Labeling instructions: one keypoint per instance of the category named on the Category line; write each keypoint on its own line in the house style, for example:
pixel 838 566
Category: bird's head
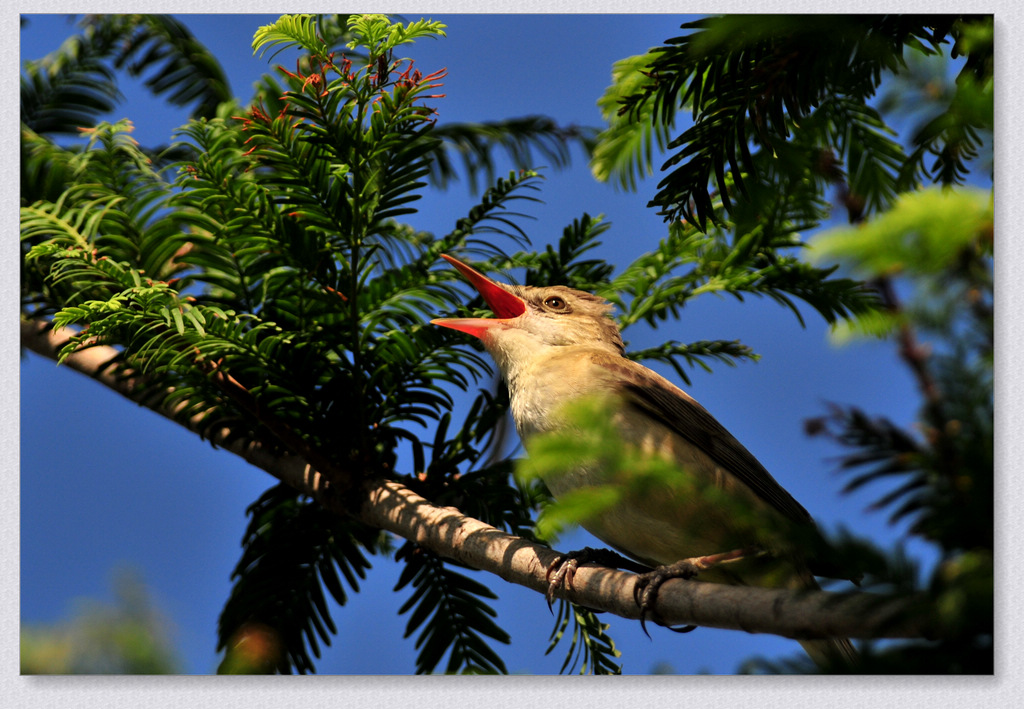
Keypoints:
pixel 533 318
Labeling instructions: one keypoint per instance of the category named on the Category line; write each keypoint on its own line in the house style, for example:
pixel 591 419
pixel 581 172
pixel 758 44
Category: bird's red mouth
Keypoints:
pixel 503 304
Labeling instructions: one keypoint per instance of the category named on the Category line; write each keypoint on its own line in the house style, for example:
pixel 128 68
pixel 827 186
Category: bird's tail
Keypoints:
pixel 832 654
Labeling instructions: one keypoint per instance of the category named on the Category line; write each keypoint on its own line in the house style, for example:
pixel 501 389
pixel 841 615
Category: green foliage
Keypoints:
pixel 454 618
pixel 290 31
pixel 293 550
pixel 565 264
pixel 67 89
pixel 941 242
pixel 491 215
pixel 939 238
pixel 780 109
pixel 179 67
pixel 115 204
pixel 624 150
pixel 269 287
pixel 789 93
pixel 751 264
pixel 954 132
pixel 128 636
pixel 517 137
pixel 380 36
pixel 590 648
pixel 695 354
pixel 923 234
pixel 940 474
pixel 375 34
pixel 70 88
pixel 591 440
pixel 271 275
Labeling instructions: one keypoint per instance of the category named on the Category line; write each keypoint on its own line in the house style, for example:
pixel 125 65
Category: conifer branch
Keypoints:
pixel 389 505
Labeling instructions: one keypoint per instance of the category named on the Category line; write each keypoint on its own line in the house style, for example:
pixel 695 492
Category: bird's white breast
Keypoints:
pixel 657 525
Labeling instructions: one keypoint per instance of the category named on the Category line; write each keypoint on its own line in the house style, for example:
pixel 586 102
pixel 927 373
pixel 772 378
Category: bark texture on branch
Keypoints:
pixel 391 506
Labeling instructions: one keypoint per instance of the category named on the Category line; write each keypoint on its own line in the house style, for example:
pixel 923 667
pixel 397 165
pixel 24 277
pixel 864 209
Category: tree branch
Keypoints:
pixel 389 505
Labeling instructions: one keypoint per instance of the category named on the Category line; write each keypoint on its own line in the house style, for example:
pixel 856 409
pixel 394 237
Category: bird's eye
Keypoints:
pixel 554 302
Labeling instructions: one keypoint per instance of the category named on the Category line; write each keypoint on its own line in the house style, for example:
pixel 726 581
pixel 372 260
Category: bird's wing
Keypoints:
pixel 655 396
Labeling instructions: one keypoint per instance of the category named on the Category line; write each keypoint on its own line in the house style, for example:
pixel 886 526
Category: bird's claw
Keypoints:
pixel 564 567
pixel 645 591
pixel 563 575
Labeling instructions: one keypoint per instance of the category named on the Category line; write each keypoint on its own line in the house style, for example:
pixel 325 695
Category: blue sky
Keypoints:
pixel 124 487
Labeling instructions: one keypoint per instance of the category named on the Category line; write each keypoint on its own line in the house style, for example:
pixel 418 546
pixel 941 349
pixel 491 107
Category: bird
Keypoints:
pixel 556 345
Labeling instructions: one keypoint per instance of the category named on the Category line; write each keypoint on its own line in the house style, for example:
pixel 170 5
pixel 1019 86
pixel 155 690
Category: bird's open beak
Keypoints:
pixel 505 305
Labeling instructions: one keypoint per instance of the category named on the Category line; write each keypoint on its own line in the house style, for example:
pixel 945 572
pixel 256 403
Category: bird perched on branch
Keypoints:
pixel 722 516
